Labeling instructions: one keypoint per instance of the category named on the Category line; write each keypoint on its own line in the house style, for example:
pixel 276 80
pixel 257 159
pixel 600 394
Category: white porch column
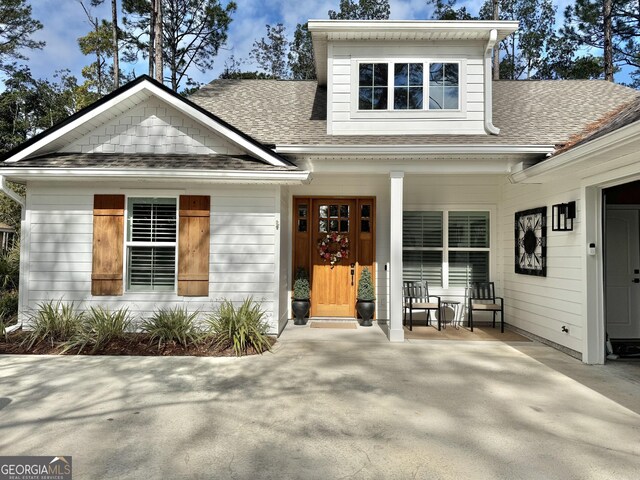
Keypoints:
pixel 396 333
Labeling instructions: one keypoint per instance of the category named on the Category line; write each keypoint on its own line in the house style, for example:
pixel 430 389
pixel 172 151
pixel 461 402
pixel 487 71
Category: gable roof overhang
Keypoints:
pixel 325 31
pixel 151 167
pixel 419 159
pixel 23 175
pixel 120 100
pixel 585 157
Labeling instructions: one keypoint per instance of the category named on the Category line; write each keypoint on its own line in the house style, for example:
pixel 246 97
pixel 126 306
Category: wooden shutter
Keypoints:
pixel 108 237
pixel 193 246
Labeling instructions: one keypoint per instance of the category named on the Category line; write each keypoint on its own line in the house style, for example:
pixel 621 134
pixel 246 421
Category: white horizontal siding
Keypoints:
pixel 543 305
pixel 242 250
pixel 343 119
pixel 152 126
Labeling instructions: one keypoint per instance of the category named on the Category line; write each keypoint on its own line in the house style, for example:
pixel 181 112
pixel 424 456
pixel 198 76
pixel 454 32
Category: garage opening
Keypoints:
pixel 622 269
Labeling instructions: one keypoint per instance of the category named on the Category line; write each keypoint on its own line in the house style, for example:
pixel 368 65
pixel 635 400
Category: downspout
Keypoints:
pixel 4 188
pixel 489 127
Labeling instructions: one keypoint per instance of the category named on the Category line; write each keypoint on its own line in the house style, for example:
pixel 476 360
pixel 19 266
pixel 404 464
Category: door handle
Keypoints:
pixel 353 272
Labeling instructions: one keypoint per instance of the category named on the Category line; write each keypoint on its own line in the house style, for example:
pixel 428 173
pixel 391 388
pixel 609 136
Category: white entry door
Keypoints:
pixel 623 273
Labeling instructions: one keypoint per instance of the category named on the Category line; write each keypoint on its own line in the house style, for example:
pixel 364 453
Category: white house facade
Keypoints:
pixel 403 145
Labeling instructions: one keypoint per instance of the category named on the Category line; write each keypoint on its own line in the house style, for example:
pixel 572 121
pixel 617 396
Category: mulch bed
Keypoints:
pixel 136 344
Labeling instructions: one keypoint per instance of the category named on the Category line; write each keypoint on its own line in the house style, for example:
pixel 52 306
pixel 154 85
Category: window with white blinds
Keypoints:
pixel 422 249
pixel 446 257
pixel 151 244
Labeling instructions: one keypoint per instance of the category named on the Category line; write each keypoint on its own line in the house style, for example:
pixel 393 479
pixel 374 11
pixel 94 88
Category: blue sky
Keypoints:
pixel 64 21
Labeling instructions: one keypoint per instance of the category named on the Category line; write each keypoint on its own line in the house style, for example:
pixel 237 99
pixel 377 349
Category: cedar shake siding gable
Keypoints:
pixel 144 116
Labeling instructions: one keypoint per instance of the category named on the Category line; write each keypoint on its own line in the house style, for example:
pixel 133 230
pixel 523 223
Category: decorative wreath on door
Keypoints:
pixel 333 248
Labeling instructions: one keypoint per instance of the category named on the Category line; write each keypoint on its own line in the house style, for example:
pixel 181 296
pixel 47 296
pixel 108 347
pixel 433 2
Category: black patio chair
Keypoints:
pixel 416 297
pixel 482 297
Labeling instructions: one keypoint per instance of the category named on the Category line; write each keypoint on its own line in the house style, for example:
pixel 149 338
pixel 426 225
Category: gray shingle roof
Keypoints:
pixel 527 112
pixel 621 117
pixel 146 161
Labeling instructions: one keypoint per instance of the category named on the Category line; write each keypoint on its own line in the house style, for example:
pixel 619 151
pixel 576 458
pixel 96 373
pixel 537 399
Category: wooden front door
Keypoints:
pixel 333 287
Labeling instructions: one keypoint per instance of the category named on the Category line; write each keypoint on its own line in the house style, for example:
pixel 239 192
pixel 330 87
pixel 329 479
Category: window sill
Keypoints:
pixel 409 114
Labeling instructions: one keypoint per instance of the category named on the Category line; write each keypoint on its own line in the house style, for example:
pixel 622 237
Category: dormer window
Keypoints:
pixel 373 86
pixel 444 87
pixel 411 88
pixel 408 86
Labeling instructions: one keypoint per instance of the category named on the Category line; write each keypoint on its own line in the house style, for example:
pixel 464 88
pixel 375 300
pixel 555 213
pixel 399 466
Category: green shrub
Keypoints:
pixel 53 321
pixel 365 286
pixel 172 325
pixel 9 307
pixel 239 328
pixel 301 289
pixel 301 286
pixel 99 327
pixel 3 330
pixel 10 269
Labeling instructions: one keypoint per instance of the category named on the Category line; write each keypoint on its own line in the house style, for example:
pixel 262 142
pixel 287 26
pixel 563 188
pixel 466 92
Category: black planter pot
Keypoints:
pixel 365 309
pixel 300 310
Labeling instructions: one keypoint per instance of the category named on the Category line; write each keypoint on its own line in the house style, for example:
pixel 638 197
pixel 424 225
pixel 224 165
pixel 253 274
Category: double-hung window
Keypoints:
pixel 408 90
pixel 373 86
pixel 446 248
pixel 444 86
pixel 151 244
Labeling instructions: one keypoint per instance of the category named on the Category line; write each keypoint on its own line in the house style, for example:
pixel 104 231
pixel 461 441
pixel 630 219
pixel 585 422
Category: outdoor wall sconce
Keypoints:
pixel 562 216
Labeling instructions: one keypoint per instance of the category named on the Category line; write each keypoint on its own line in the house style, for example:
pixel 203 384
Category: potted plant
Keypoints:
pixel 301 293
pixel 366 298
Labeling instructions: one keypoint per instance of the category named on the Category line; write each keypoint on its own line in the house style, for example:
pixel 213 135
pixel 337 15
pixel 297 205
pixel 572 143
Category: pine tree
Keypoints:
pixel 270 53
pixel 362 10
pixel 16 28
pixel 193 31
pixel 612 26
pixel 301 61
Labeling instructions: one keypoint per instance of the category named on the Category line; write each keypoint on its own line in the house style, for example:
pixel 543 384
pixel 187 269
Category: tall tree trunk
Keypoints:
pixel 98 60
pixel 513 57
pixel 496 48
pixel 158 42
pixel 116 53
pixel 152 36
pixel 608 45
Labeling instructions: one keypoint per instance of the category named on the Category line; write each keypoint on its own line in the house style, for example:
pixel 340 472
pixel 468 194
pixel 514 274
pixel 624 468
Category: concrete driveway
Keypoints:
pixel 329 404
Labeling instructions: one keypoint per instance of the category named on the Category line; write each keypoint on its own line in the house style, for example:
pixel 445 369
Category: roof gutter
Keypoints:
pixel 387 150
pixel 489 127
pixel 156 174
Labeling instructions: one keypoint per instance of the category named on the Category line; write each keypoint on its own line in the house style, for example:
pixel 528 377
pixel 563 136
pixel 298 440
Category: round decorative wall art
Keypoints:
pixel 531 242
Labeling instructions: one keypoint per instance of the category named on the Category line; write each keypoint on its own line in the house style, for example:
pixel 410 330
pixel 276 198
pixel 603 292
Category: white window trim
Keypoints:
pixel 127 244
pixel 445 289
pixel 427 86
pixel 424 113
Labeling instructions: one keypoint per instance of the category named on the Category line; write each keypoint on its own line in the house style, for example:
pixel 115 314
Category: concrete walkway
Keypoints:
pixel 329 404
